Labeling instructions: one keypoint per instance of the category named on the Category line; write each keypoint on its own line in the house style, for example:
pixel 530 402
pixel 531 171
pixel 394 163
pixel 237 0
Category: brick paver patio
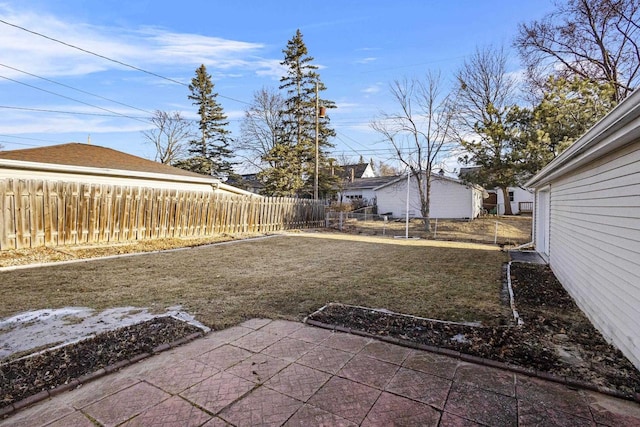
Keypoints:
pixel 275 373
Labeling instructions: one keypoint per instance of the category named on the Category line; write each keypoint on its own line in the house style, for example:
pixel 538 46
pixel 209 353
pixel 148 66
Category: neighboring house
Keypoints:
pixel 249 182
pixel 363 189
pixel 450 198
pixel 521 199
pixel 99 165
pixel 587 223
pixel 350 173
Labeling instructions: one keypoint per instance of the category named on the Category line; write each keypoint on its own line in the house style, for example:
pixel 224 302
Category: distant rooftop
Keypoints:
pixel 93 156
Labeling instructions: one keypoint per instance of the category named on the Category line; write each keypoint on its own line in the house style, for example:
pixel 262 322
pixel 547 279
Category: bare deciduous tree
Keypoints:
pixel 484 100
pixel 597 40
pixel 419 132
pixel 169 135
pixel 260 126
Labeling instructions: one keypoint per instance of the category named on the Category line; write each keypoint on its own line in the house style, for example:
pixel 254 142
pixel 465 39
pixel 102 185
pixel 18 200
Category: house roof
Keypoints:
pixel 618 128
pixel 434 176
pixel 358 170
pixel 468 170
pixel 363 183
pixel 92 156
pixel 89 159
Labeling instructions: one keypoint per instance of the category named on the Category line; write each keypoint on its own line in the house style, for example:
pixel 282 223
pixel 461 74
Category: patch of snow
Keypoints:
pixel 52 327
pixel 461 338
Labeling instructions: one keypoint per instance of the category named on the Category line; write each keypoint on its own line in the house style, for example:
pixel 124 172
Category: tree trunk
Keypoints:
pixel 507 202
pixel 426 211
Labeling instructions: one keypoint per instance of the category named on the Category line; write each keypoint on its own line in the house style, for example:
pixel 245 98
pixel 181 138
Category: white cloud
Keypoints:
pixel 370 90
pixel 142 47
pixel 366 60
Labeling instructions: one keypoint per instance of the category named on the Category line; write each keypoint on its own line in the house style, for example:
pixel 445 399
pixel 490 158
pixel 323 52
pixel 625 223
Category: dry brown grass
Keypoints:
pixel 512 230
pixel 280 277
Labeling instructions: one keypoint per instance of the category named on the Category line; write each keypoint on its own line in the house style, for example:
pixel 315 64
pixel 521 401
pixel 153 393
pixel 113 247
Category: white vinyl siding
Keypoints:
pixel 449 199
pixel 519 195
pixel 595 243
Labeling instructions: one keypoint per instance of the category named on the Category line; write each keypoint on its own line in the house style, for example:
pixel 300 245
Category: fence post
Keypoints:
pixel 340 223
pixel 435 229
pixel 495 235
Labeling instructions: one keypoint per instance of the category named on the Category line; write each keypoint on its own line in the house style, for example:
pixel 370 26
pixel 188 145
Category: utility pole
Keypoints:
pixel 315 177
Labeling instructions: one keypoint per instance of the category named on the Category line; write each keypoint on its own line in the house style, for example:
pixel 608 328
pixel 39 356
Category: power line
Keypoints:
pixel 73 99
pixel 27 138
pixel 76 89
pixel 19 143
pixel 124 64
pixel 43 110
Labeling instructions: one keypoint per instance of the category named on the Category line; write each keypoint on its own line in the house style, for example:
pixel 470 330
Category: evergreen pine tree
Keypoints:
pixel 295 148
pixel 209 152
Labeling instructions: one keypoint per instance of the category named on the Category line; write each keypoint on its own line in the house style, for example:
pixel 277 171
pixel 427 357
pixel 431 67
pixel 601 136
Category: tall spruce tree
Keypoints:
pixel 294 152
pixel 209 151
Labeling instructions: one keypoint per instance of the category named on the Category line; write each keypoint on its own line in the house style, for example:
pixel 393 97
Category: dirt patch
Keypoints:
pixel 556 336
pixel 44 371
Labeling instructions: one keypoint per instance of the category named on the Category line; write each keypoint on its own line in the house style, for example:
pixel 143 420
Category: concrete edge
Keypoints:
pixel 566 381
pixel 84 379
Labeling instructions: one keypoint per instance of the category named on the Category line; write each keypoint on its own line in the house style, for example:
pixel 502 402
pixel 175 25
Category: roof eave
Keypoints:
pixel 77 170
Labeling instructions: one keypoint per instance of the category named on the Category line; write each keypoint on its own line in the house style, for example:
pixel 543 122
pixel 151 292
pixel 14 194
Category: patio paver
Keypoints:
pixel 487 378
pixel 256 341
pixel 369 371
pixel 398 411
pixel 264 407
pixel 119 407
pixel 217 391
pixel 224 357
pixel 419 386
pixel 534 394
pixel 258 368
pixel 482 406
pixel 180 376
pixel 76 419
pixel 298 381
pixel 309 415
pixel 386 352
pixel 430 363
pixel 345 398
pixel 326 359
pixel 289 349
pixel 295 375
pixel 172 412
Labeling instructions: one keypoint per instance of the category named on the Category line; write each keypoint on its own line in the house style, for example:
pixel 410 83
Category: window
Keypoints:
pixel 511 196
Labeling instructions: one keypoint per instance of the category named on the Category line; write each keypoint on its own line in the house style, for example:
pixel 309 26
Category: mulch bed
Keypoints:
pixel 27 376
pixel 556 337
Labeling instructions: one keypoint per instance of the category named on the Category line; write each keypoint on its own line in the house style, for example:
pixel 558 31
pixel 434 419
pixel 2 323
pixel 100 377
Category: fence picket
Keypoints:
pixel 55 213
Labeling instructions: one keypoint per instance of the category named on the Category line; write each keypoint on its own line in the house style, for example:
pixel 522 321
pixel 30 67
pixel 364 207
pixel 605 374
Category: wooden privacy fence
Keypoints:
pixel 54 213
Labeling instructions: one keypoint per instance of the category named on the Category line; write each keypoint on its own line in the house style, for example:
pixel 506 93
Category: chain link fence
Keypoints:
pixel 501 230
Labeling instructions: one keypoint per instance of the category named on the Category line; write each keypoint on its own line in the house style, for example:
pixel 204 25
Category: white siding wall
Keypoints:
pixel 102 179
pixel 595 244
pixel 448 199
pixel 366 193
pixel 519 195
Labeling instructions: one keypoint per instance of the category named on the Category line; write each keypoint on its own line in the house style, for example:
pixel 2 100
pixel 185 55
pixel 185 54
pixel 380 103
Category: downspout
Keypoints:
pixel 512 301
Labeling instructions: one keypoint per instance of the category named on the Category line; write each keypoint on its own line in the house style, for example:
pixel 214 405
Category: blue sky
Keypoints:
pixel 360 46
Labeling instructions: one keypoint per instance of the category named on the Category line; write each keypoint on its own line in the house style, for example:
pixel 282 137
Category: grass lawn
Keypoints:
pixel 280 277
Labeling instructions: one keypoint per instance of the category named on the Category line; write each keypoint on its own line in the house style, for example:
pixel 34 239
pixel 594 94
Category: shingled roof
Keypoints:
pixel 355 170
pixel 92 156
